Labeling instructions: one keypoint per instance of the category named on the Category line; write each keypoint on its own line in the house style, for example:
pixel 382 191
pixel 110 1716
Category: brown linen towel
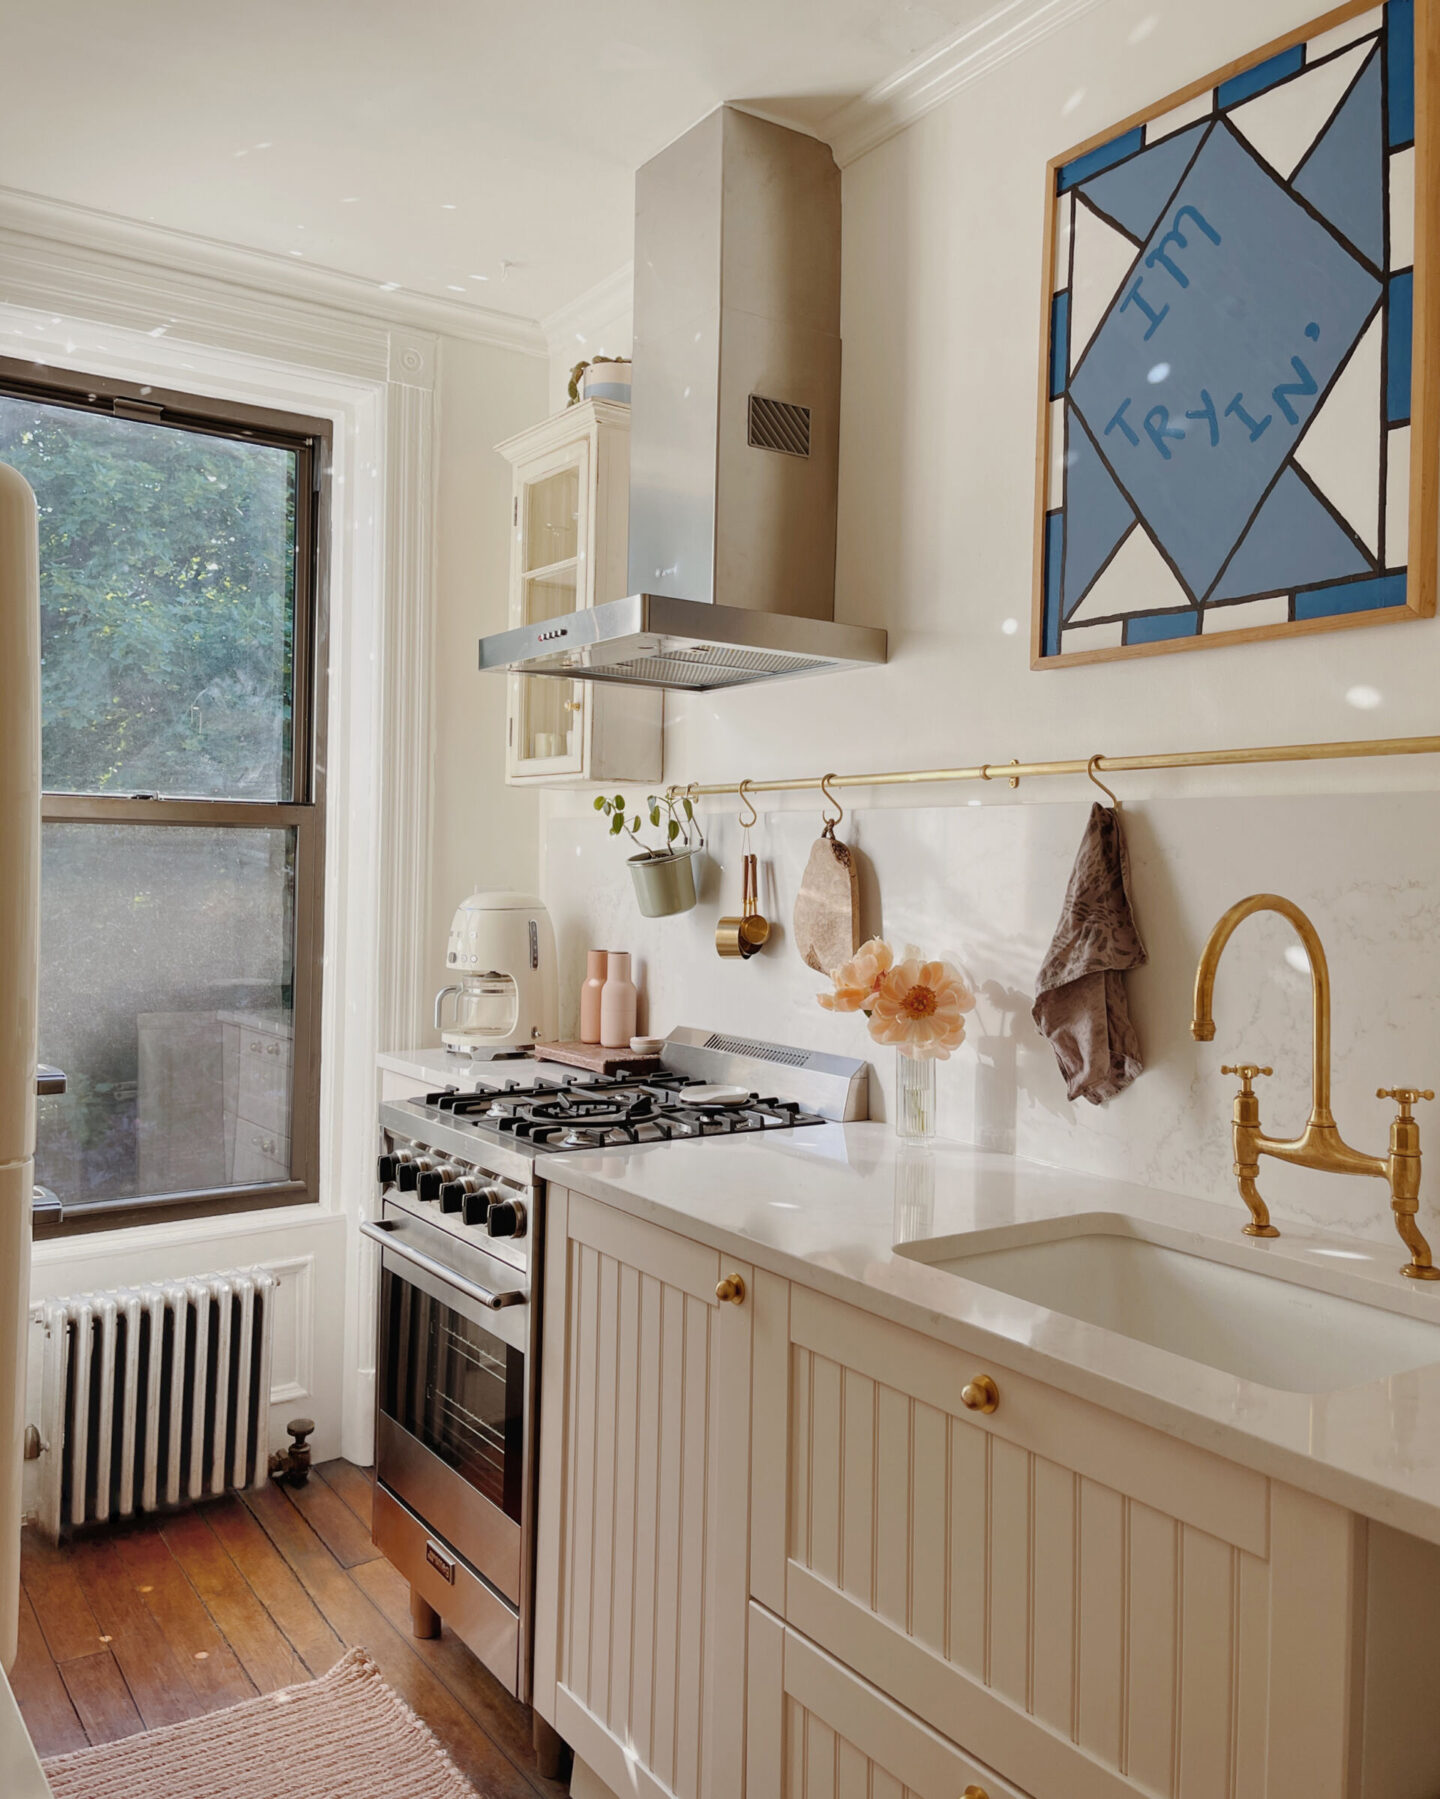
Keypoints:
pixel 1080 1001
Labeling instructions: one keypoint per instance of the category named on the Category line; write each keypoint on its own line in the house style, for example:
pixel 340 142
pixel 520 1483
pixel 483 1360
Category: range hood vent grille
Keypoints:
pixel 703 669
pixel 777 425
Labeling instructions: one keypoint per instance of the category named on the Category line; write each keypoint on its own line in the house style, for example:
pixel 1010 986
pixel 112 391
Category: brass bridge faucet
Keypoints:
pixel 1320 1144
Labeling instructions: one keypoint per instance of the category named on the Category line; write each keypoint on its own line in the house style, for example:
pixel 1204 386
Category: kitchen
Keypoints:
pixel 1114 1463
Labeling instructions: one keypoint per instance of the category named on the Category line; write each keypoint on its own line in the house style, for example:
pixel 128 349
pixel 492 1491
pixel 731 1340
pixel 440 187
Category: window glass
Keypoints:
pixel 167 591
pixel 167 996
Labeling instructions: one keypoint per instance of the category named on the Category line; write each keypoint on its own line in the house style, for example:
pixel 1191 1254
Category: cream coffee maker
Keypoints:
pixel 501 956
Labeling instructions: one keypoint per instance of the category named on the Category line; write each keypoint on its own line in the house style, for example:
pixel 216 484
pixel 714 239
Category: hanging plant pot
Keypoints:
pixel 663 884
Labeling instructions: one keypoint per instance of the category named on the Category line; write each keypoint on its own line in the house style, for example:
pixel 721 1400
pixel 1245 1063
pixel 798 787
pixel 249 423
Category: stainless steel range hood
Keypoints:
pixel 734 428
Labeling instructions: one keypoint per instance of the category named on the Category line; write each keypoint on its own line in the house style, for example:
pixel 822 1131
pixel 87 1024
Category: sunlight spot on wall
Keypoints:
pixel 1296 957
pixel 1362 697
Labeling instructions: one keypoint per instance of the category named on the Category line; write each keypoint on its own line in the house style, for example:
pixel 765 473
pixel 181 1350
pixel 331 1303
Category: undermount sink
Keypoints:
pixel 1267 1326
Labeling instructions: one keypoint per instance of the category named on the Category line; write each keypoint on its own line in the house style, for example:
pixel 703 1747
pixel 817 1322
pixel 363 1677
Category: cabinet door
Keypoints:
pixel 816 1732
pixel 644 1486
pixel 550 576
pixel 1095 1608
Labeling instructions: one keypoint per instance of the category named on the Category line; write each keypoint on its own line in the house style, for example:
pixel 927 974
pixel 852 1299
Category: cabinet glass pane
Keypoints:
pixel 549 709
pixel 550 714
pixel 552 518
pixel 166 995
pixel 548 596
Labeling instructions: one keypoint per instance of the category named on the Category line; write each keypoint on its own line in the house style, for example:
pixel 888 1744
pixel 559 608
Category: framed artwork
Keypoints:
pixel 1238 406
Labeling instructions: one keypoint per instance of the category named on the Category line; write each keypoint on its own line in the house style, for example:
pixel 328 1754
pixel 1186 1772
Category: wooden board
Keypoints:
pixel 598 1059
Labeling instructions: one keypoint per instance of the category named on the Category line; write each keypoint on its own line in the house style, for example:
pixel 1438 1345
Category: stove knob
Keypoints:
pixel 385 1169
pixel 506 1218
pixel 430 1183
pixel 408 1175
pixel 476 1205
pixel 452 1195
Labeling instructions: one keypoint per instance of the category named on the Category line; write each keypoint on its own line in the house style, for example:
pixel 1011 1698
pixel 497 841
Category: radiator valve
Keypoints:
pixel 292 1466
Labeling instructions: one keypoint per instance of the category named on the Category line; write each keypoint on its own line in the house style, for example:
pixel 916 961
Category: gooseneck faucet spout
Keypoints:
pixel 1320 1144
pixel 1202 1025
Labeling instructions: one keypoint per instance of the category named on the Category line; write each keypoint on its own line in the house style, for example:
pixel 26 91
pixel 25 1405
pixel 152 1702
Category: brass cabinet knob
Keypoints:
pixel 980 1394
pixel 732 1288
pixel 974 1792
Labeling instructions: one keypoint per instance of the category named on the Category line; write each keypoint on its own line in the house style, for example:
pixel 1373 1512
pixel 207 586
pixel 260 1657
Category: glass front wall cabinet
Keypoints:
pixel 569 517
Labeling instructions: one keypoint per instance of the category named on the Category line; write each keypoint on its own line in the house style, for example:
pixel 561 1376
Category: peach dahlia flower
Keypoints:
pixel 917 1008
pixel 857 981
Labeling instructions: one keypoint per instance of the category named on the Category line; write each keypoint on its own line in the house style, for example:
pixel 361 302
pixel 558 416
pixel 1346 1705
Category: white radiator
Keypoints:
pixel 154 1396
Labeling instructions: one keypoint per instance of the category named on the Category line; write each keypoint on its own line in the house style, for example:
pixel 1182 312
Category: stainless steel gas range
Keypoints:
pixel 461 1229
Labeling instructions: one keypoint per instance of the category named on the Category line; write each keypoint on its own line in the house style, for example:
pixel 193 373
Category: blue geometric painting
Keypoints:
pixel 1229 407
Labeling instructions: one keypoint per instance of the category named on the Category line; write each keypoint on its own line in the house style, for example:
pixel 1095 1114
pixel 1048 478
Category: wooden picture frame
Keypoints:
pixel 1243 524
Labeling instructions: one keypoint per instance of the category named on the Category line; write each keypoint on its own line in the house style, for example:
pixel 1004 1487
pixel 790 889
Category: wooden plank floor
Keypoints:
pixel 174 1617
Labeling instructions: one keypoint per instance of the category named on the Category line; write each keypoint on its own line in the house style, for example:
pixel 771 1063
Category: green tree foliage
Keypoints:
pixel 166 585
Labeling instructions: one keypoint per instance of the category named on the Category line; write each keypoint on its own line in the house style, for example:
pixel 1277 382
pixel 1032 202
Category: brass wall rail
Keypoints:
pixel 1015 771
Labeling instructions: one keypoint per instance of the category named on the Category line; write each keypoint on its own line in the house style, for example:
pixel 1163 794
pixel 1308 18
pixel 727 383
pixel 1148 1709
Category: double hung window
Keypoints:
pixel 183 648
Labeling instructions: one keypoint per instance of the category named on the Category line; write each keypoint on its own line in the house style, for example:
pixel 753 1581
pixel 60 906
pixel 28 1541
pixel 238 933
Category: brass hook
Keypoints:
pixel 830 823
pixel 746 800
pixel 1014 762
pixel 1090 770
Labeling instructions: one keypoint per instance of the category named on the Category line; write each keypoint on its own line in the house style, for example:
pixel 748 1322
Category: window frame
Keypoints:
pixel 304 810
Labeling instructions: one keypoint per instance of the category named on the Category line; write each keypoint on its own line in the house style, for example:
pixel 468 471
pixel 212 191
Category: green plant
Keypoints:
pixel 669 813
pixel 573 390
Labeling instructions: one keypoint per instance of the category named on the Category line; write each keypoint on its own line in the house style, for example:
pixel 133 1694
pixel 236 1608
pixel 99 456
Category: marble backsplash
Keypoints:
pixel 982 885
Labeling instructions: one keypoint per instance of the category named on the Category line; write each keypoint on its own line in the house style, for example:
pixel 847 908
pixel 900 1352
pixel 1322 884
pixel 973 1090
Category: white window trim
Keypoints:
pixel 69 305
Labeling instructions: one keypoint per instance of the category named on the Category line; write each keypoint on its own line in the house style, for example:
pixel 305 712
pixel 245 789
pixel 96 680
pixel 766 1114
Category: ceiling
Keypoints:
pixel 479 153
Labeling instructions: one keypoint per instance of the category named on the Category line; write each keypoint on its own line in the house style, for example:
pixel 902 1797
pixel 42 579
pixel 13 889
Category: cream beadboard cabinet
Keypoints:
pixel 780 1554
pixel 570 532
pixel 644 1502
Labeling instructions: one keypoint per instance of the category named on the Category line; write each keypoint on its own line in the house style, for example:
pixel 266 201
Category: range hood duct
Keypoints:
pixel 734 428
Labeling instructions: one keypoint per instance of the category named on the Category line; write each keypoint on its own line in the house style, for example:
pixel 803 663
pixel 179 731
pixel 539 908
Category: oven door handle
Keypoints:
pixel 384 1233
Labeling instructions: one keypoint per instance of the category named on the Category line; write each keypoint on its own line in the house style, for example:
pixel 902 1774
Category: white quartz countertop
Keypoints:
pixel 826 1206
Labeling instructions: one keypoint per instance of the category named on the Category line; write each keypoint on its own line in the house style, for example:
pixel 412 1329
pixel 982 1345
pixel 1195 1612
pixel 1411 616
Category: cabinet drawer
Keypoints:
pixel 260 1156
pixel 264 1081
pixel 1084 1602
pixel 814 1729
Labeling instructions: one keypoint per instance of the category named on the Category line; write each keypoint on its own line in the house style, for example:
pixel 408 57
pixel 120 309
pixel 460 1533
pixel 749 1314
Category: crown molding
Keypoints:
pixel 34 216
pixel 589 311
pixel 942 71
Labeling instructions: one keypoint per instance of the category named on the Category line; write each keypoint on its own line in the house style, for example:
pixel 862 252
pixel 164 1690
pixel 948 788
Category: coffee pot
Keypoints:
pixel 503 994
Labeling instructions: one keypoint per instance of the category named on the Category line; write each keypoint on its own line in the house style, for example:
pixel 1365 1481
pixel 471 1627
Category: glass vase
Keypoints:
pixel 914 1098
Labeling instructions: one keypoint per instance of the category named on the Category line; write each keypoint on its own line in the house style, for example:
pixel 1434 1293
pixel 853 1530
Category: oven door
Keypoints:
pixel 453 1397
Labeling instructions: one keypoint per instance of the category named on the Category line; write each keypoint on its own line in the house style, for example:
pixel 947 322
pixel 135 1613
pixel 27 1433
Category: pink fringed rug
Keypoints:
pixel 344 1736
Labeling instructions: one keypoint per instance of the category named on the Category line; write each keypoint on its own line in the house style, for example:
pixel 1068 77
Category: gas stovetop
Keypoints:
pixel 603 1111
pixel 518 1111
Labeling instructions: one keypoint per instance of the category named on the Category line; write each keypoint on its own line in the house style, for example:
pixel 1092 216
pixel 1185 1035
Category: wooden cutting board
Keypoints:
pixel 597 1058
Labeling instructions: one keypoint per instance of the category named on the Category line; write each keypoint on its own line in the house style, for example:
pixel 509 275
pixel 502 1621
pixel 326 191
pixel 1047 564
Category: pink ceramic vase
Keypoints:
pixel 590 996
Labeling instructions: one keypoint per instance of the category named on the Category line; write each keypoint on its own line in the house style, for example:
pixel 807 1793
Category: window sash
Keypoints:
pixel 304 812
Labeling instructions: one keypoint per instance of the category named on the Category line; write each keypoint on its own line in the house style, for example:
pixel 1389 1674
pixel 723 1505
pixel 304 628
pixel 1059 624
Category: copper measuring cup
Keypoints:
pixel 742 936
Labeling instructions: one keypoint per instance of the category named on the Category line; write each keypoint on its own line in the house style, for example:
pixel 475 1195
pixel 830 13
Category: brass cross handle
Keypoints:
pixel 1247 1071
pixel 1404 1097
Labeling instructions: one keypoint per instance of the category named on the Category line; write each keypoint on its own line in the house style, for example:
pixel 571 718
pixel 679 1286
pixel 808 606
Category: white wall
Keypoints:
pixel 942 310
pixel 485 833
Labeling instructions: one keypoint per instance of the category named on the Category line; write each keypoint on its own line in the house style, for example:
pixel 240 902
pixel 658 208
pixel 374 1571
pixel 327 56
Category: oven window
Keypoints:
pixel 456 1389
